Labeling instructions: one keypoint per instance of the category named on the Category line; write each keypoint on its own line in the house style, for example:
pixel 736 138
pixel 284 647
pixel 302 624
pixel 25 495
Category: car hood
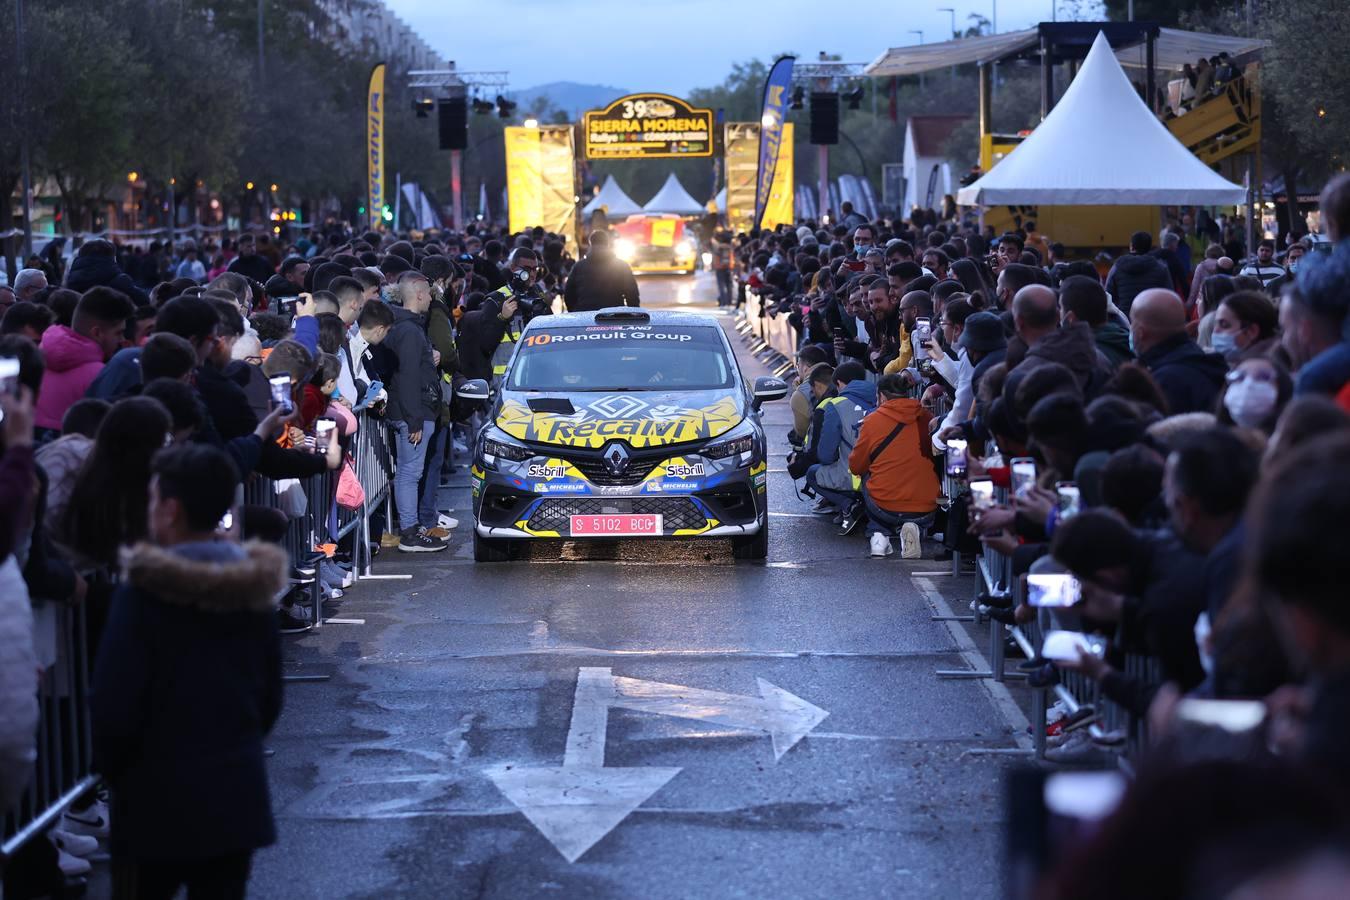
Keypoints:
pixel 640 418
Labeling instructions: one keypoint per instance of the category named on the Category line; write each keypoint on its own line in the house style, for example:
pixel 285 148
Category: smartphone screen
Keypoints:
pixel 323 434
pixel 982 494
pixel 1023 475
pixel 956 458
pixel 1070 645
pixel 280 386
pixel 9 378
pixel 1069 499
pixel 1053 589
pixel 1230 715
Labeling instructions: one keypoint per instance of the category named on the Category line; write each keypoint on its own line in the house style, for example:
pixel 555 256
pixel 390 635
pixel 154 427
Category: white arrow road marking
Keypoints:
pixel 785 717
pixel 576 804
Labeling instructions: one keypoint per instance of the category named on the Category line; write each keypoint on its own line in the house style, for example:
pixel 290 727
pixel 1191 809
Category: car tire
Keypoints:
pixel 756 546
pixel 491 549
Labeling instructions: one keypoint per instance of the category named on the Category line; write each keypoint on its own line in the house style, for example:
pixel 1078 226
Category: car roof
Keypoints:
pixel 656 317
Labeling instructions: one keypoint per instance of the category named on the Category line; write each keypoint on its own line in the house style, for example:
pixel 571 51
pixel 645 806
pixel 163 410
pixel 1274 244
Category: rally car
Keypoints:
pixel 621 423
pixel 652 243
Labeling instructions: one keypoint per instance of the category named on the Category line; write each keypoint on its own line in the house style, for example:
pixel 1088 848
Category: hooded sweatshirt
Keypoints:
pixel 839 432
pixel 901 477
pixel 73 362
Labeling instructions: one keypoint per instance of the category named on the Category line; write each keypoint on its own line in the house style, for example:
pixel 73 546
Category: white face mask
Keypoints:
pixel 1250 402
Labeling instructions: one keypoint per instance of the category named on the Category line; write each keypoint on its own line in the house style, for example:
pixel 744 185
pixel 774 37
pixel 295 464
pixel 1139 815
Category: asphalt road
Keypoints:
pixel 470 693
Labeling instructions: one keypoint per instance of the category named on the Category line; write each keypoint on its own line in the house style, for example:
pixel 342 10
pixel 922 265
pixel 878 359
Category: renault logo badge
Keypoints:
pixel 616 458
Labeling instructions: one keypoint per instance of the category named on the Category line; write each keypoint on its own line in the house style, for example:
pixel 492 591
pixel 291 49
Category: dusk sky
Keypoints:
pixel 673 47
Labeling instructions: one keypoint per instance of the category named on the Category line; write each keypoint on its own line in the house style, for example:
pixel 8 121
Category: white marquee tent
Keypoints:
pixel 1101 145
pixel 616 203
pixel 673 198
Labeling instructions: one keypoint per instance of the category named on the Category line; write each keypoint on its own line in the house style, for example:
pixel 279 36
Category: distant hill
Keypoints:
pixel 569 96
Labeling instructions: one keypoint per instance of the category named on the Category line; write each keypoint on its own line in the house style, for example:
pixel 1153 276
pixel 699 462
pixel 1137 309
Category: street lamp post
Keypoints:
pixel 21 57
pixel 993 26
pixel 951 12
pixel 920 34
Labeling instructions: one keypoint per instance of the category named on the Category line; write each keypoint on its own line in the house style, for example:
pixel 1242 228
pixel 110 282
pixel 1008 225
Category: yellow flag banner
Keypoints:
pixel 540 178
pixel 375 146
pixel 781 208
pixel 742 163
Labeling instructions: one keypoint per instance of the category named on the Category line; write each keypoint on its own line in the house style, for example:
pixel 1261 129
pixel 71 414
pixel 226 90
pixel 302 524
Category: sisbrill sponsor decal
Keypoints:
pixel 684 470
pixel 546 471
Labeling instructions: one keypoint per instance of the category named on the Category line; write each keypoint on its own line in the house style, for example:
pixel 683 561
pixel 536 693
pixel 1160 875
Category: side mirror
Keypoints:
pixel 769 388
pixel 475 389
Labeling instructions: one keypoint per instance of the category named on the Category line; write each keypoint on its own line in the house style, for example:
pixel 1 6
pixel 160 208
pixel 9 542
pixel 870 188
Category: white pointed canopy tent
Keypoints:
pixel 615 201
pixel 673 198
pixel 1101 146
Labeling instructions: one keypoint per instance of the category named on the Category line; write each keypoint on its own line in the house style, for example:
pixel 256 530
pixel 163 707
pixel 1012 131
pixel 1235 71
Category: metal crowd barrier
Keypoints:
pixel 64 766
pixel 62 771
pixel 1074 690
pixel 768 334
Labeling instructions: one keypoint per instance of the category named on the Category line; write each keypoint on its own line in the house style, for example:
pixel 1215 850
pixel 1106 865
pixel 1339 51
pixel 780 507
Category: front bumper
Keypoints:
pixel 694 497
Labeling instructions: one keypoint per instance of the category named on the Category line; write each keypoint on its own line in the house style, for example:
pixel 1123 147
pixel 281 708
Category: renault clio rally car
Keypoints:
pixel 621 423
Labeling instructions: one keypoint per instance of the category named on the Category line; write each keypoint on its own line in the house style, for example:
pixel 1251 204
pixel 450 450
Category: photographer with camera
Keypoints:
pixel 506 311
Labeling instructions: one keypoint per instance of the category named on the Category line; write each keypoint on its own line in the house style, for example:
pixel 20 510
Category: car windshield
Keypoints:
pixel 622 357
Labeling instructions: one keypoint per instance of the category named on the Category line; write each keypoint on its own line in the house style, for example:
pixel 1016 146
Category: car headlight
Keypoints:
pixel 684 248
pixel 624 249
pixel 504 450
pixel 733 447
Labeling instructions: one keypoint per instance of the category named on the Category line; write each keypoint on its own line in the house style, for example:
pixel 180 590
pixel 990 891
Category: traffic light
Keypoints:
pixel 361 210
pixel 388 213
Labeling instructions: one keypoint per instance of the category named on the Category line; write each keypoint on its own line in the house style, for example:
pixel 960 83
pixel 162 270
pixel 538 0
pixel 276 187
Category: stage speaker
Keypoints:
pixel 452 120
pixel 824 117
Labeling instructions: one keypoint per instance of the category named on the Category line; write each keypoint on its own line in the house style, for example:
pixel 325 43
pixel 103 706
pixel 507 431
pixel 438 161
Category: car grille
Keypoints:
pixel 597 472
pixel 677 513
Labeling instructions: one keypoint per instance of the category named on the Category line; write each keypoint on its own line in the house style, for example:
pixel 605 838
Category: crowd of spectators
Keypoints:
pixel 148 387
pixel 1183 422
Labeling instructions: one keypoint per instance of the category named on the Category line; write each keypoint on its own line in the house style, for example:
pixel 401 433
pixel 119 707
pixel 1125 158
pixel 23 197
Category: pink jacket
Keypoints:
pixel 73 362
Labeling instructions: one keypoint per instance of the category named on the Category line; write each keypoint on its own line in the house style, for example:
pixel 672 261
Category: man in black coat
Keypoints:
pixel 186 687
pixel 1190 378
pixel 600 280
pixel 250 263
pixel 96 265
pixel 1136 272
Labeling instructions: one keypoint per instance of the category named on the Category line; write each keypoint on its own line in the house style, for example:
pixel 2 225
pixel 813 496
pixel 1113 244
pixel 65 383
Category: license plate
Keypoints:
pixel 617 525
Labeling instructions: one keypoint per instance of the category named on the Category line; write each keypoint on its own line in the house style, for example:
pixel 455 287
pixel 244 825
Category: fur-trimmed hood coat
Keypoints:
pixel 186 686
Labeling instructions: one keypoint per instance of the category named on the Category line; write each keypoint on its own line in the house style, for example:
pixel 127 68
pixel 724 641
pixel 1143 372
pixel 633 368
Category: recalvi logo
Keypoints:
pixel 667 429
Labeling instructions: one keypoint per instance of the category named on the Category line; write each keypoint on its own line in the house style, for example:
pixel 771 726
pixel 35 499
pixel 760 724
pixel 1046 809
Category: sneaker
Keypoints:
pixel 389 539
pixel 335 575
pixel 909 541
pixel 294 619
pixel 1077 749
pixel 824 507
pixel 329 592
pixel 75 844
pixel 448 523
pixel 71 866
pixel 439 533
pixel 416 540
pixel 459 446
pixel 881 546
pixel 852 518
pixel 91 821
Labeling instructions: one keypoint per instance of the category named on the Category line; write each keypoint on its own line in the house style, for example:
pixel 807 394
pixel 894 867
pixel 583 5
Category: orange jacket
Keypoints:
pixel 901 478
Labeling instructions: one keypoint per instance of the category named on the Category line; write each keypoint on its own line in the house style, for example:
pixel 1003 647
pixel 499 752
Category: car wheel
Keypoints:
pixel 491 549
pixel 756 546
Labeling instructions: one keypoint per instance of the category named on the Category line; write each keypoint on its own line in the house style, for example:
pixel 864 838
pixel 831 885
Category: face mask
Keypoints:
pixel 1293 267
pixel 862 249
pixel 1133 352
pixel 1223 343
pixel 1250 402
